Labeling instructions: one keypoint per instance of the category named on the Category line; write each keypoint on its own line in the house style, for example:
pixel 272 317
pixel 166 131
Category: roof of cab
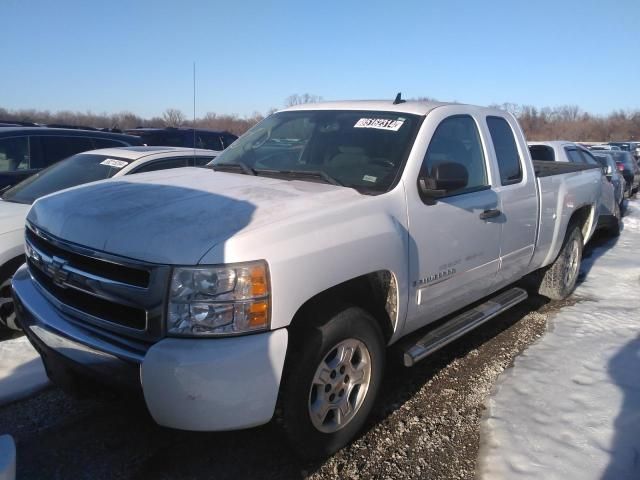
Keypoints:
pixel 412 107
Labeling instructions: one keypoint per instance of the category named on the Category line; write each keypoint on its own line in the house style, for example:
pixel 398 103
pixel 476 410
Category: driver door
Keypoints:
pixel 455 254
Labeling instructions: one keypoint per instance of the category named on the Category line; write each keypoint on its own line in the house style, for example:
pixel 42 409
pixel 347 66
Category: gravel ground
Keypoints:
pixel 425 424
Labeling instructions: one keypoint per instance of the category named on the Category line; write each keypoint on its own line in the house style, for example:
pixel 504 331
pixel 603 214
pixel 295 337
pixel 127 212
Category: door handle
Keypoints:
pixel 490 214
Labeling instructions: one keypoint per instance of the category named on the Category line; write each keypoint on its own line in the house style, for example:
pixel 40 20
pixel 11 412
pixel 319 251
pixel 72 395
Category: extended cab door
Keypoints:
pixel 515 184
pixel 455 243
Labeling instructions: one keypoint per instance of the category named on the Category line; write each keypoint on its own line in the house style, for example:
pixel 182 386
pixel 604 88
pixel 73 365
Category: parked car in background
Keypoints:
pixel 609 209
pixel 185 137
pixel 629 146
pixel 613 175
pixel 630 170
pixel 280 275
pixel 27 150
pixel 78 169
pixel 604 147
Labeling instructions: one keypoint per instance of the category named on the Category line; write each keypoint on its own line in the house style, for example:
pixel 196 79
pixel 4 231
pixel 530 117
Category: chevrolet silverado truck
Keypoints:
pixel 275 280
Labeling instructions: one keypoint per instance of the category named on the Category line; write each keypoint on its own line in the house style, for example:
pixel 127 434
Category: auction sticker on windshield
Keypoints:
pixel 380 123
pixel 111 162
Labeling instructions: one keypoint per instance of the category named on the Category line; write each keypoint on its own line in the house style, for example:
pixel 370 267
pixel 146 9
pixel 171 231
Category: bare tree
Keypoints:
pixel 173 117
pixel 297 99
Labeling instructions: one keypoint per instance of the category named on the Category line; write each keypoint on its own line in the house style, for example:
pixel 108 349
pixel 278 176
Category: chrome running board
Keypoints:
pixel 461 324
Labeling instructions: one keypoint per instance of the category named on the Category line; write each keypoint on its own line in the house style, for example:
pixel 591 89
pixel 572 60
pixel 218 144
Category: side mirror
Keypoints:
pixel 444 178
pixel 608 171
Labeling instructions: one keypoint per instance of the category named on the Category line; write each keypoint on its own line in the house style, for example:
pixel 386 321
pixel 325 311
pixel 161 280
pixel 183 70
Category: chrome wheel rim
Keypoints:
pixel 571 270
pixel 7 310
pixel 340 385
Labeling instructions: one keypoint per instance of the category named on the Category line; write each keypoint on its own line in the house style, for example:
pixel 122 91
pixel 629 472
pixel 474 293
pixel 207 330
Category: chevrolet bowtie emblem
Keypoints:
pixel 56 270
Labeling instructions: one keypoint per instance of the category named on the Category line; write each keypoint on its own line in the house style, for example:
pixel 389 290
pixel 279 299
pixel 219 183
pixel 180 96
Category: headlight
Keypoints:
pixel 221 300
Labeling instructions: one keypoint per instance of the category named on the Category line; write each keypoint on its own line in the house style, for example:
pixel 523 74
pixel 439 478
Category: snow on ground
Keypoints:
pixel 570 406
pixel 21 370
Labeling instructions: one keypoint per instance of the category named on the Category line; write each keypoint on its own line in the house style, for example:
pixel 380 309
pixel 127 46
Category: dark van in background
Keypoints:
pixel 184 137
pixel 27 150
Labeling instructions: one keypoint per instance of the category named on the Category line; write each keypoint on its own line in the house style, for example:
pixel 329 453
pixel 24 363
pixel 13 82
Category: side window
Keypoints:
pixel 107 143
pixel 574 156
pixel 14 154
pixel 542 153
pixel 506 149
pixel 56 148
pixel 162 165
pixel 208 141
pixel 588 158
pixel 456 140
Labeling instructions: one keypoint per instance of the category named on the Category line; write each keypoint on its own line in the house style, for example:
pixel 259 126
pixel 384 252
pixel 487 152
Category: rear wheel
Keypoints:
pixel 332 381
pixel 559 279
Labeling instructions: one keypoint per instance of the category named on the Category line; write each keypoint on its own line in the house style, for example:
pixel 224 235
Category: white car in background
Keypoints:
pixel 76 170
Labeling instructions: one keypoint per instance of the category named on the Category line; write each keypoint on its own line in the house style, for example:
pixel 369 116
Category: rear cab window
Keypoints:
pixel 504 143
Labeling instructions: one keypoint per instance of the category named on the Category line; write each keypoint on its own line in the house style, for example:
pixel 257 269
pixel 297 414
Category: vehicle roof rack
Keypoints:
pixel 73 127
pixel 21 123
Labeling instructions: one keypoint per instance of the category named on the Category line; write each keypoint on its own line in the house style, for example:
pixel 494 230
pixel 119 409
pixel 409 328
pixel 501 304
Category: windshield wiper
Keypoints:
pixel 237 165
pixel 319 174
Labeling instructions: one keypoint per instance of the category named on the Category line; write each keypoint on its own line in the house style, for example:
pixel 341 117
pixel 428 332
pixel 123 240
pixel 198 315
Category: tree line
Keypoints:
pixel 567 122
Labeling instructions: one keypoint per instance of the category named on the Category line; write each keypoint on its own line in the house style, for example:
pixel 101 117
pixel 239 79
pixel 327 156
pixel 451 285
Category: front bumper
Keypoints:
pixel 189 384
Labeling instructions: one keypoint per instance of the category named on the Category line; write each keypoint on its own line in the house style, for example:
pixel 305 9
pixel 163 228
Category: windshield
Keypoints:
pixel 361 149
pixel 75 170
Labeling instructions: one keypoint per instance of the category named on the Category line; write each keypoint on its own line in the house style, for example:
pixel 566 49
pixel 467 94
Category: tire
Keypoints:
pixel 7 311
pixel 616 225
pixel 317 381
pixel 559 279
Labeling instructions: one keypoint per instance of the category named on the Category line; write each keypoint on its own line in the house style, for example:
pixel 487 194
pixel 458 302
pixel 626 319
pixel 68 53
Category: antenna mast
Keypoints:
pixel 194 109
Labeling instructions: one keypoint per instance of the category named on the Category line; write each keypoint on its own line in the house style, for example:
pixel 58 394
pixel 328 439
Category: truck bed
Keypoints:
pixel 547 169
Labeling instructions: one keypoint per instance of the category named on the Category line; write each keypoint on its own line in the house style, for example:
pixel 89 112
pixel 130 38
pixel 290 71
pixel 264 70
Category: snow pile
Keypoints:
pixel 21 370
pixel 570 406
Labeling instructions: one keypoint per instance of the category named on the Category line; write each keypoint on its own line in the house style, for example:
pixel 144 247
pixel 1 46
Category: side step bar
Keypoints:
pixel 461 324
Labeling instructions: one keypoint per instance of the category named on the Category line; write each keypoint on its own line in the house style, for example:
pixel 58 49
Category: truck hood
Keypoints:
pixel 12 216
pixel 176 216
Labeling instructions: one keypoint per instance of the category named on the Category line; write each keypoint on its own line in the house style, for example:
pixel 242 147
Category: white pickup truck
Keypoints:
pixel 325 234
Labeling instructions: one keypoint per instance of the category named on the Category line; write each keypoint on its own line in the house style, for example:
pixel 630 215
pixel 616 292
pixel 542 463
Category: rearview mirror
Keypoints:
pixel 444 178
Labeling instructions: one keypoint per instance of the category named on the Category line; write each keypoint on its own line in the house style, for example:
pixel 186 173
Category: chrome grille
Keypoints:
pixel 96 288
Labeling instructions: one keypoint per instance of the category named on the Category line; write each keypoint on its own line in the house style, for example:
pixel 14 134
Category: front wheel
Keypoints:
pixel 333 379
pixel 559 279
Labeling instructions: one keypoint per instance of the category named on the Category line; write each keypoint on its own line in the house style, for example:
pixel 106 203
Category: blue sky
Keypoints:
pixel 110 56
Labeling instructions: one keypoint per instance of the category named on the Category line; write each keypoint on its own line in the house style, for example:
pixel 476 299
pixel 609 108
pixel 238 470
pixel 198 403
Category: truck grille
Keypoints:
pixel 96 288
